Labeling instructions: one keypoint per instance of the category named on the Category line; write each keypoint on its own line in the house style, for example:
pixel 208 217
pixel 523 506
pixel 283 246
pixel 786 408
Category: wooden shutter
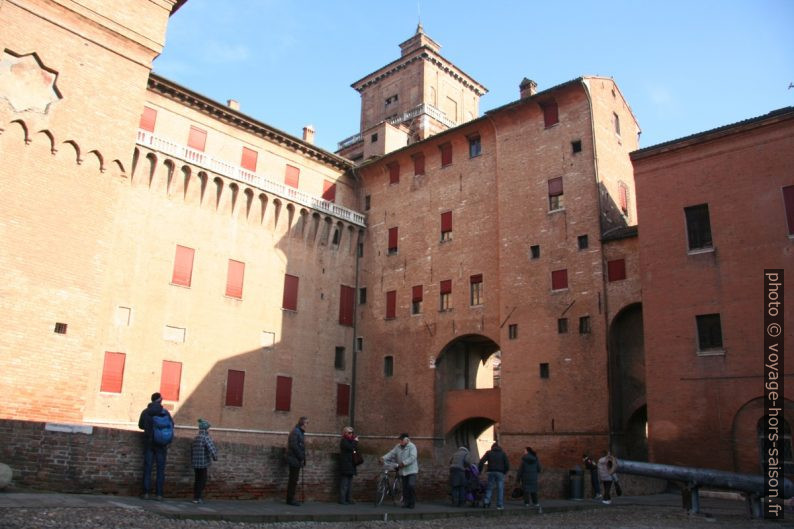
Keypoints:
pixel 148 119
pixel 234 279
pixel 329 191
pixel 446 286
pixel 393 238
pixel 346 297
pixel 283 393
pixel 197 139
pixel 249 159
pixel 616 270
pixel 419 163
pixel 394 172
pixel 416 294
pixel 292 176
pixel 623 198
pixel 235 381
pixel 290 300
pixel 555 187
pixel 183 266
pixel 342 399
pixel 559 279
pixel 391 304
pixel 476 278
pixel 446 154
pixel 788 200
pixel 446 221
pixel 170 380
pixel 113 372
pixel 550 113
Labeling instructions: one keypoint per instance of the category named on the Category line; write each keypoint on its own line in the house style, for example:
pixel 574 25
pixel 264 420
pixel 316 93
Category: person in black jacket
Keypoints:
pixel 347 469
pixel 296 458
pixel 152 451
pixel 527 476
pixel 498 466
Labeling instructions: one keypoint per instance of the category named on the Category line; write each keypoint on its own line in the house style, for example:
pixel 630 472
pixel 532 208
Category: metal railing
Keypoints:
pixel 201 159
pixel 424 108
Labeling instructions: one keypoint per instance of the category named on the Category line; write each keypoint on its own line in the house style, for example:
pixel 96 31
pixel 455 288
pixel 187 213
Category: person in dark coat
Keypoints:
pixel 296 458
pixel 528 477
pixel 498 466
pixel 460 461
pixel 153 452
pixel 595 483
pixel 347 445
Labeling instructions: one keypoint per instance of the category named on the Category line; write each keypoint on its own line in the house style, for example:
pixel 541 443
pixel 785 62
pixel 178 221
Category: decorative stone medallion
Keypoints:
pixel 27 84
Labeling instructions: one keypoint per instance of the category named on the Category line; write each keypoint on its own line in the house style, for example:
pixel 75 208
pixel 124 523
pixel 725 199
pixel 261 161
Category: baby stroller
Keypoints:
pixel 475 489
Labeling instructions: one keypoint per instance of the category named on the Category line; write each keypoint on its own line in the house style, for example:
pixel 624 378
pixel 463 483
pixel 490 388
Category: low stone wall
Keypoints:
pixel 85 459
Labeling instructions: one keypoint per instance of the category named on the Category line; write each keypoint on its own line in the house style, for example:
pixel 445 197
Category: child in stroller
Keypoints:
pixel 475 489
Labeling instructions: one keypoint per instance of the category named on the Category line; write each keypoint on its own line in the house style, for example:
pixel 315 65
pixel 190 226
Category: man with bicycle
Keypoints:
pixel 407 467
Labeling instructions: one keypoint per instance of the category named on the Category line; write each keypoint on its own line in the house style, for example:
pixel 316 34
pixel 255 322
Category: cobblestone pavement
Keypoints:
pixel 616 517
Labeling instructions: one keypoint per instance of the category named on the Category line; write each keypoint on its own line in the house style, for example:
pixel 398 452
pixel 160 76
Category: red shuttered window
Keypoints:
pixel 183 266
pixel 170 380
pixel 290 300
pixel 148 119
pixel 346 297
pixel 342 400
pixel 249 159
pixel 235 381
pixel 550 113
pixel 623 198
pixel 393 238
pixel 197 139
pixel 394 172
pixel 419 163
pixel 559 279
pixel 329 191
pixel 616 269
pixel 391 304
pixel 446 154
pixel 416 299
pixel 283 393
pixel 234 279
pixel 113 372
pixel 292 176
pixel 446 226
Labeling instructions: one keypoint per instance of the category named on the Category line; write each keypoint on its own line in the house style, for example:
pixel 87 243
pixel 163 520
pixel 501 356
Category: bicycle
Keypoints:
pixel 388 485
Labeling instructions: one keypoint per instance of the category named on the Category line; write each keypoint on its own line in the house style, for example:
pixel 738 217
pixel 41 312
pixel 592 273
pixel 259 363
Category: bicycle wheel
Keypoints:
pixel 380 491
pixel 396 492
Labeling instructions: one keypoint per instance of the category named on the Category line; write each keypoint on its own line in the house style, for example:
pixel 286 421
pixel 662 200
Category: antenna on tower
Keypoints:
pixel 419 16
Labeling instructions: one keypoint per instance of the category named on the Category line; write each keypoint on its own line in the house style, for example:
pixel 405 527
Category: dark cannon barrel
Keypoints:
pixel 755 484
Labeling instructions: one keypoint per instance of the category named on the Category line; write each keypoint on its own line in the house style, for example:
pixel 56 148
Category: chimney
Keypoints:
pixel 233 104
pixel 308 134
pixel 528 88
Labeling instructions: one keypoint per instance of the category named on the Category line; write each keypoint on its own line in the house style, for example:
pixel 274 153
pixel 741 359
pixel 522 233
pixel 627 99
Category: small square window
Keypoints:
pixel 544 370
pixel 709 332
pixel 583 242
pixel 576 146
pixel 374 138
pixel 562 325
pixel 339 358
pixel 512 331
pixel 559 279
pixel 534 251
pixel 388 366
pixel 60 328
pixel 584 325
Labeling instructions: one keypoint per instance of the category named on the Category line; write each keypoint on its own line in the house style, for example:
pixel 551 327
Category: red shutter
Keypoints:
pixel 446 221
pixel 113 372
pixel 623 197
pixel 416 294
pixel 419 163
pixel 235 381
pixel 559 279
pixel 394 172
pixel 234 279
pixel 446 286
pixel 476 278
pixel 290 300
pixel 183 266
pixel 550 113
pixel 346 297
pixel 329 191
pixel 342 399
pixel 283 393
pixel 249 159
pixel 446 154
pixel 393 238
pixel 292 176
pixel 555 187
pixel 170 380
pixel 148 119
pixel 197 139
pixel 616 270
pixel 391 304
pixel 788 200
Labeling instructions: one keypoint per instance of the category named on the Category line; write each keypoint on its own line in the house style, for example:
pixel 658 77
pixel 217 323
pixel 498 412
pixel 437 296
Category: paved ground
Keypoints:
pixel 20 510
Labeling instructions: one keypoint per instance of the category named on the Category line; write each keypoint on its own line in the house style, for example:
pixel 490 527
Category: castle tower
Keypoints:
pixel 410 99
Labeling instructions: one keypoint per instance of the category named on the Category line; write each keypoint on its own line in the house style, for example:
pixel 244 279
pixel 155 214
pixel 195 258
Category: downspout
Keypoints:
pixel 610 377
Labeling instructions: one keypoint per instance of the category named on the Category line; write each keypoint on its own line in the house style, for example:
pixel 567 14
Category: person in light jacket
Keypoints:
pixel 405 454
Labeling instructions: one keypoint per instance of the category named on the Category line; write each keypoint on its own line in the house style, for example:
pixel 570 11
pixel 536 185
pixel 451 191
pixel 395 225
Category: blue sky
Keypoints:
pixel 684 66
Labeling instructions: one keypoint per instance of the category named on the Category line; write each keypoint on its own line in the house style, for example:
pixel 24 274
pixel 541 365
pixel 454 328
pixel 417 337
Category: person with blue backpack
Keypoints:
pixel 158 432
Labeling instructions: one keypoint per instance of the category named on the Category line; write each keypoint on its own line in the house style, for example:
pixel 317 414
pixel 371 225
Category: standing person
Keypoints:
pixel 461 460
pixel 591 465
pixel 347 469
pixel 498 466
pixel 528 477
pixel 158 431
pixel 605 468
pixel 202 453
pixel 407 467
pixel 296 458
